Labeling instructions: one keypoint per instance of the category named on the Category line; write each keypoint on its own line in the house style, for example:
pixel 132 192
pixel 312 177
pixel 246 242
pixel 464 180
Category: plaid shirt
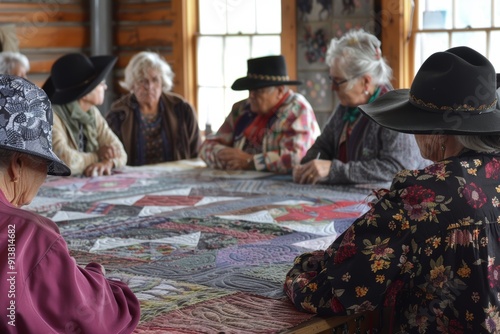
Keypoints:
pixel 286 140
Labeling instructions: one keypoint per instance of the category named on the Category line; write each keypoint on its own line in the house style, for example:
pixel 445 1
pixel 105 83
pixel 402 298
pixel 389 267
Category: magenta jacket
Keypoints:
pixel 43 290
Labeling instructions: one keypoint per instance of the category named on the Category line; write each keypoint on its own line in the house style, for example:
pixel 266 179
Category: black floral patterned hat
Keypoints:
pixel 26 122
pixel 453 92
pixel 264 72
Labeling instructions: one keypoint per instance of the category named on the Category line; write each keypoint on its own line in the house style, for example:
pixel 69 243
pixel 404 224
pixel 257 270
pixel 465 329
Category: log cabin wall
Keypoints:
pixel 47 30
pixel 162 26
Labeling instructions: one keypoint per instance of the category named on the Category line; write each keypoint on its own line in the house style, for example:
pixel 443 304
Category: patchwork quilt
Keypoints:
pixel 205 251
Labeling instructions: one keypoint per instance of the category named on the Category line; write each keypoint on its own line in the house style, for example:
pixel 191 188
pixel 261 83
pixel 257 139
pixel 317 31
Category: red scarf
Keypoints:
pixel 256 130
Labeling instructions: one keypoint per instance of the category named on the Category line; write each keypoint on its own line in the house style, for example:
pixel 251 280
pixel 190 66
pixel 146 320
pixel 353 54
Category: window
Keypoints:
pixel 448 23
pixel 231 31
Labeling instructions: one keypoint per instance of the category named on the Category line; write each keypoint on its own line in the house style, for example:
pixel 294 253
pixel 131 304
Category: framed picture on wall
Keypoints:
pixel 312 43
pixel 316 87
pixel 314 10
pixel 352 8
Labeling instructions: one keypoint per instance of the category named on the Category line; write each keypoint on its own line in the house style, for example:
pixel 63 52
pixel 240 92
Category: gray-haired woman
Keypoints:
pixel 351 148
pixel 154 124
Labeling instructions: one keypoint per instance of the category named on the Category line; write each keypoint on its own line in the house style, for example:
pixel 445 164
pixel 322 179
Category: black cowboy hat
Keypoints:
pixel 453 92
pixel 264 72
pixel 75 75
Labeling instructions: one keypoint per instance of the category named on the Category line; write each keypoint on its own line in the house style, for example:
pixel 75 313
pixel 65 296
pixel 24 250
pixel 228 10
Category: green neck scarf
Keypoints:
pixel 73 117
pixel 353 112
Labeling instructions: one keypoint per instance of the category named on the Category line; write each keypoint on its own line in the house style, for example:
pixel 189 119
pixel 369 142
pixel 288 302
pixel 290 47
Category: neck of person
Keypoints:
pixel 281 98
pixel 7 188
pixel 452 147
pixel 84 105
pixel 149 109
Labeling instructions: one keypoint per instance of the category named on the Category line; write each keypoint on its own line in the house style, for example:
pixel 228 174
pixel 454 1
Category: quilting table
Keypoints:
pixel 205 251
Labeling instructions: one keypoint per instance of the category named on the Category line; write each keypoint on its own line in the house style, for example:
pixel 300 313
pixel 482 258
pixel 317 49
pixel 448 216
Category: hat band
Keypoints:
pixel 268 77
pixel 429 106
pixel 86 82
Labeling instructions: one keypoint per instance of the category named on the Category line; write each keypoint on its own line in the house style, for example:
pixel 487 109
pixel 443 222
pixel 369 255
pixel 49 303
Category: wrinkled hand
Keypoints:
pixel 107 152
pixel 312 172
pixel 99 168
pixel 235 159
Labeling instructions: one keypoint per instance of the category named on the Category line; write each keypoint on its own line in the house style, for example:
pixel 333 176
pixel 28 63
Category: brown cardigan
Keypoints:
pixel 179 120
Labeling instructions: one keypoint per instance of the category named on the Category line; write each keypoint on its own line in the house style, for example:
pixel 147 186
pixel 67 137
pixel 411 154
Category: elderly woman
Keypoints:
pixel 351 148
pixel 269 131
pixel 428 248
pixel 43 289
pixel 14 63
pixel 82 138
pixel 154 124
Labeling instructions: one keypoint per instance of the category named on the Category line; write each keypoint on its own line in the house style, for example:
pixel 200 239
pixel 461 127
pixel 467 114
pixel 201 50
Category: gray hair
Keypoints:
pixel 359 53
pixel 141 63
pixel 8 60
pixel 480 143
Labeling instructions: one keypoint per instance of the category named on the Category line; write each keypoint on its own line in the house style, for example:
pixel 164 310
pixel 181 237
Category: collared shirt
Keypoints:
pixel 293 130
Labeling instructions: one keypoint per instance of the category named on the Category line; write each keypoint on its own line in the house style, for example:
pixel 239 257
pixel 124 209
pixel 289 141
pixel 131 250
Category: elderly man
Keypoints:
pixel 271 130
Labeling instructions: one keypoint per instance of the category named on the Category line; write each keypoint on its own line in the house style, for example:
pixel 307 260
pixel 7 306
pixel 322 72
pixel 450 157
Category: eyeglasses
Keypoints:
pixel 338 83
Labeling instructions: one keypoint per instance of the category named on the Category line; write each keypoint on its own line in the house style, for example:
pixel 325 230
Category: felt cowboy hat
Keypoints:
pixel 264 72
pixel 75 75
pixel 26 122
pixel 453 92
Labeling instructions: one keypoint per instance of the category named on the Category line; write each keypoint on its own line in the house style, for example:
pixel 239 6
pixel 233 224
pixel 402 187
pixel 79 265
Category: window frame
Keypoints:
pixel 288 46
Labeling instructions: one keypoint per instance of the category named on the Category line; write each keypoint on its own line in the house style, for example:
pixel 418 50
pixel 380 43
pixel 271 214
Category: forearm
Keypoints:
pixel 311 291
pixel 368 171
pixel 82 299
pixel 208 153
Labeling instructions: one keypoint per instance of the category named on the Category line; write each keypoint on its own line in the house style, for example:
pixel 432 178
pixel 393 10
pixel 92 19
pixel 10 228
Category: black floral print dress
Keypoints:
pixel 428 249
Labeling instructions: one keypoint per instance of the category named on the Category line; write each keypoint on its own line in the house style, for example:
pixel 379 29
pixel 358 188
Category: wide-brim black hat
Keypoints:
pixel 453 92
pixel 75 75
pixel 264 72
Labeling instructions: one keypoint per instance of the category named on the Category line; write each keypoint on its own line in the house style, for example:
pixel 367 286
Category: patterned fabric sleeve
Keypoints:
pixel 285 142
pixel 427 250
pixel 359 268
pixel 291 135
pixel 223 138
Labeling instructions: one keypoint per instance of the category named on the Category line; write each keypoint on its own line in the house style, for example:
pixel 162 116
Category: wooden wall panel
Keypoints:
pixel 146 26
pixel 47 30
pixel 46 37
pixel 140 37
pixel 395 27
pixel 37 13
